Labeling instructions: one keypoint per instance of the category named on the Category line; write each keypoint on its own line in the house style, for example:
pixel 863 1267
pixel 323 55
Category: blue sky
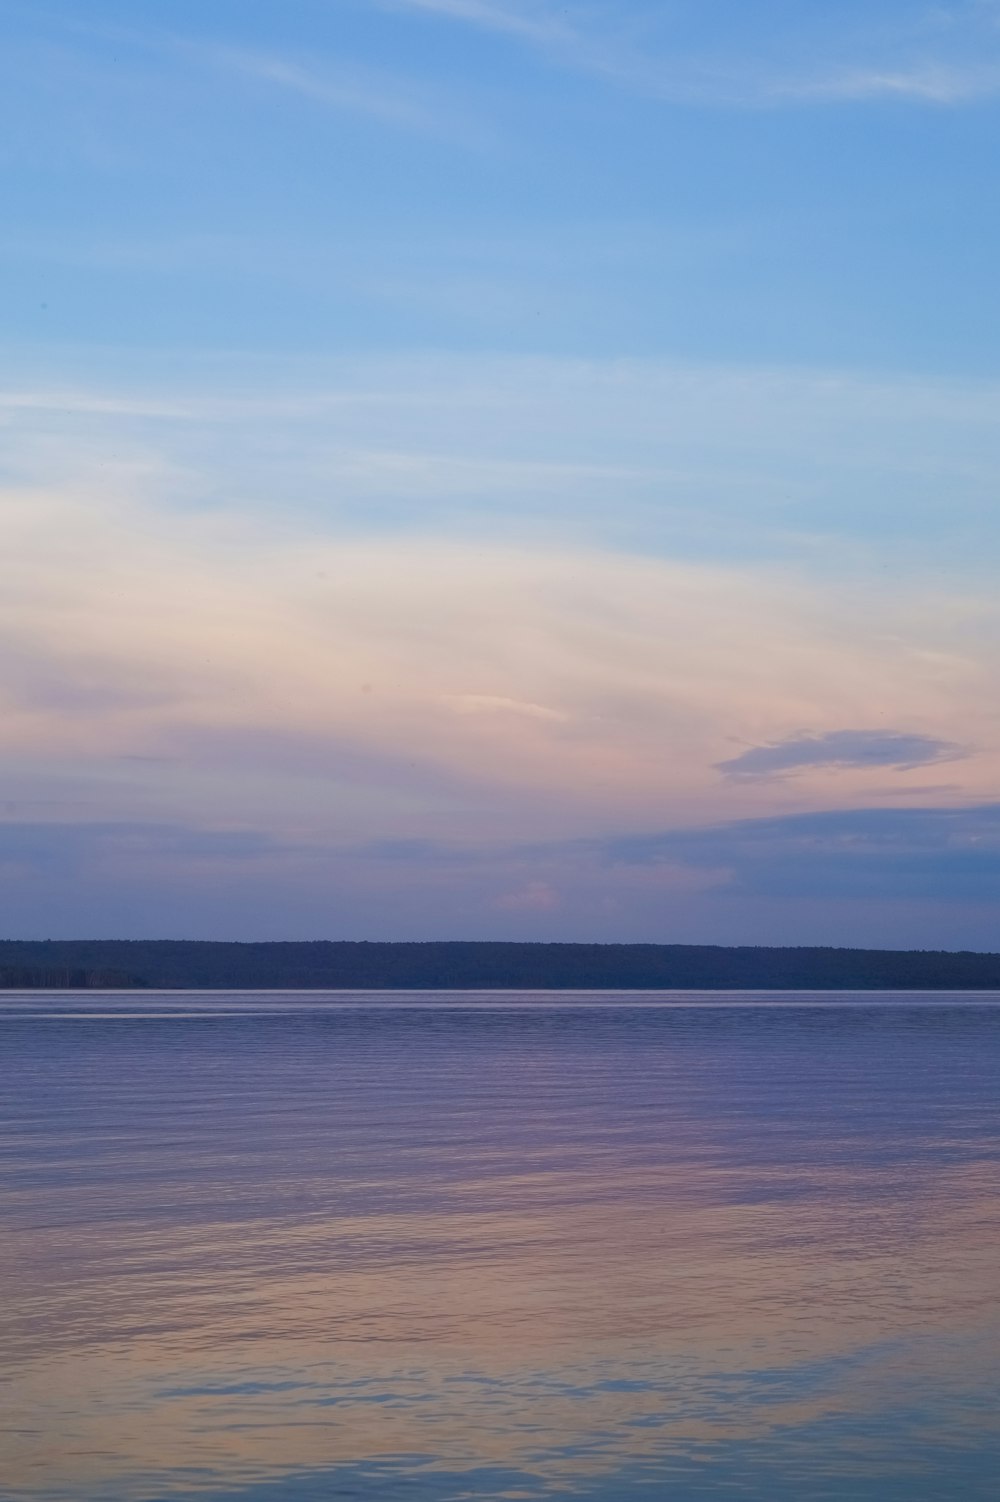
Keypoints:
pixel 449 441
pixel 712 181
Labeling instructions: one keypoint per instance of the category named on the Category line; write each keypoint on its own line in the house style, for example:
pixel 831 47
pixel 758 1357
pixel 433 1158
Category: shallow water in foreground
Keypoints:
pixel 307 1248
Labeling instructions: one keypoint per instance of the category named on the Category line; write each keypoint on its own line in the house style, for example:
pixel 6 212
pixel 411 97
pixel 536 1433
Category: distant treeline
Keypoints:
pixel 31 978
pixel 183 965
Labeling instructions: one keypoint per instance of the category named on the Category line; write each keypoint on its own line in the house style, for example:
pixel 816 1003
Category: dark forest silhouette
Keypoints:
pixel 189 965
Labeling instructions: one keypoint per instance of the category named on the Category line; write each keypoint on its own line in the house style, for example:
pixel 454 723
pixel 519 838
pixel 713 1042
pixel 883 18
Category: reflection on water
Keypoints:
pixel 266 1248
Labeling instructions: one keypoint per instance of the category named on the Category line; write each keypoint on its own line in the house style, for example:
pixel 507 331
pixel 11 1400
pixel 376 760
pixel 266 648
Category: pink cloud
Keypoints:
pixel 535 897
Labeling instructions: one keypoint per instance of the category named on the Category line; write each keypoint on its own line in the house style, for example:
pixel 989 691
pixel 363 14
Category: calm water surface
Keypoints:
pixel 308 1248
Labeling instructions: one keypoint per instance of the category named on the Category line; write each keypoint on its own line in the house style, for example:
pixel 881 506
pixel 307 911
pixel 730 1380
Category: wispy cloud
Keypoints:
pixel 334 82
pixel 534 23
pixel 929 85
pixel 667 457
pixel 603 42
pixel 845 749
pixel 95 404
pixel 586 44
pixel 351 88
pixel 70 846
pixel 490 704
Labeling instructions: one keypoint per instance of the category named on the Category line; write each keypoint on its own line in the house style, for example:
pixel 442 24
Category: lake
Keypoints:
pixel 449 1248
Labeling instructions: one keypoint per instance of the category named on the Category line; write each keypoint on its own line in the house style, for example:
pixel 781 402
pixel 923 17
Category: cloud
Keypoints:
pixel 83 403
pixel 626 51
pixel 534 897
pixel 587 681
pixel 353 88
pixel 922 85
pixel 937 854
pixel 890 876
pixel 534 23
pixel 66 848
pixel 843 748
pixel 494 704
pixel 645 455
pixel 570 38
pixel 333 82
pixel 464 643
pixel 885 854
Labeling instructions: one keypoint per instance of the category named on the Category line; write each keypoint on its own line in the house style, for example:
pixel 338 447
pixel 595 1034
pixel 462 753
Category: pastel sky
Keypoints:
pixel 501 468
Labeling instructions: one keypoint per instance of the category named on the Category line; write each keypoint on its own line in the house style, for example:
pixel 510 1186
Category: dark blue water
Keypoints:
pixel 264 1248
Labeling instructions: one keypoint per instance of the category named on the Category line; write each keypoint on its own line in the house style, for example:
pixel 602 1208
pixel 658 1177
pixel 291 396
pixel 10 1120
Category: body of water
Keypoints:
pixel 446 1248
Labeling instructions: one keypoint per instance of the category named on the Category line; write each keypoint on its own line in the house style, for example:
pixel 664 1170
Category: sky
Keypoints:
pixel 500 469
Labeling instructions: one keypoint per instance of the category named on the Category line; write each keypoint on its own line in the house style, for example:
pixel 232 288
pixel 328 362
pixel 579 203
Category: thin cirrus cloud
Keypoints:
pixel 339 85
pixel 618 45
pixel 654 453
pixel 848 749
pixel 534 23
pixel 354 90
pixel 921 84
pixel 329 79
